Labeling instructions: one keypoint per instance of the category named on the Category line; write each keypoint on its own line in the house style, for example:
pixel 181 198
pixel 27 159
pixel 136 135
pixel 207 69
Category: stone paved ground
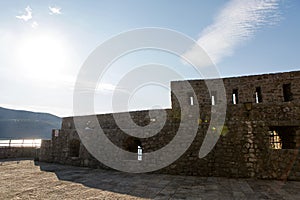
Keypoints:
pixel 24 179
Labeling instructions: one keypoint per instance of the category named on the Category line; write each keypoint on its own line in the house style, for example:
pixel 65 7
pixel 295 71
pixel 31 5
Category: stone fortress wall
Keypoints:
pixel 19 152
pixel 260 137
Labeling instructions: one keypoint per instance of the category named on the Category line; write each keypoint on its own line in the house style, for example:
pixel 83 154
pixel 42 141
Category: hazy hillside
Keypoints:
pixel 24 124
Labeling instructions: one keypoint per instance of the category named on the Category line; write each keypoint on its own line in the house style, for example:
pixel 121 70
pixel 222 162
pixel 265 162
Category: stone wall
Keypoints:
pixel 19 152
pixel 243 149
pixel 46 151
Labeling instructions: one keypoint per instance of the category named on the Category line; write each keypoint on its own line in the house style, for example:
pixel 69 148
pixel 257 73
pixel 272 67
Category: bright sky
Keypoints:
pixel 43 44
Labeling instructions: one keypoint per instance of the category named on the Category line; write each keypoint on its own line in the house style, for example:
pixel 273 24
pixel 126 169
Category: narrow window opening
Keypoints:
pixel 235 96
pixel 213 100
pixel 191 101
pixel 258 95
pixel 213 97
pixel 56 132
pixel 287 92
pixel 140 153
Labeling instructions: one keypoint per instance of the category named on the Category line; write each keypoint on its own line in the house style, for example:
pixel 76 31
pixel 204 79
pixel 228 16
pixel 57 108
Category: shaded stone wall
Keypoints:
pixel 46 147
pixel 19 152
pixel 243 149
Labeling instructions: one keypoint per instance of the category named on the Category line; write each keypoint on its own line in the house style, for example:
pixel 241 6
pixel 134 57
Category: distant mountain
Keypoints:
pixel 19 124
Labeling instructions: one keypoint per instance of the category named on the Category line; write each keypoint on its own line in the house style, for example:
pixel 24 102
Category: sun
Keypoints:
pixel 42 56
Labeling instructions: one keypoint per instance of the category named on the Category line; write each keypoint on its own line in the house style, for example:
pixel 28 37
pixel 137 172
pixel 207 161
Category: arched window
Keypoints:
pixel 74 147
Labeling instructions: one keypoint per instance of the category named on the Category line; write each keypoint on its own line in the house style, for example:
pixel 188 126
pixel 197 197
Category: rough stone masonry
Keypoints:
pixel 260 137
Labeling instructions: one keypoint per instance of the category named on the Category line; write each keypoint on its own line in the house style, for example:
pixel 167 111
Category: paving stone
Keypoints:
pixel 34 182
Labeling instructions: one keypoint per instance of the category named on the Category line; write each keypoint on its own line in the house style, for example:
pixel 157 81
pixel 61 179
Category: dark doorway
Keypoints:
pixel 131 144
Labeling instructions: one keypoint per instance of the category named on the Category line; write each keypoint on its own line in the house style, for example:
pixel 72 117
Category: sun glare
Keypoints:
pixel 43 56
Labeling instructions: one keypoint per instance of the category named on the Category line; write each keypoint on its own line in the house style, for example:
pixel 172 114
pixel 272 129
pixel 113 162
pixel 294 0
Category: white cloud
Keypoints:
pixel 26 16
pixel 34 24
pixel 237 22
pixel 54 10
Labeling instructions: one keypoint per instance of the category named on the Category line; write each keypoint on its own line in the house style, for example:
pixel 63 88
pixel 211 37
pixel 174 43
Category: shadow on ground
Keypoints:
pixel 160 186
pixel 139 185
